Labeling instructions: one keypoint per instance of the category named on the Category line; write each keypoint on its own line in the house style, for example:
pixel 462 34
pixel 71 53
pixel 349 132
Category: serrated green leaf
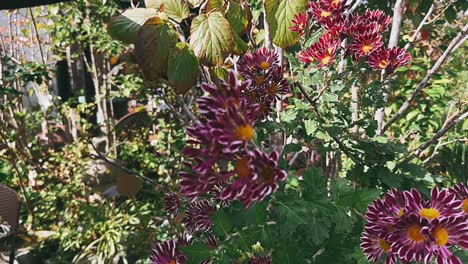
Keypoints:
pixel 183 68
pixel 310 126
pixel 175 9
pixel 240 47
pixel 289 115
pixel 196 252
pixel 211 38
pixel 213 6
pixel 279 16
pixel 152 49
pixel 125 26
pixel 222 223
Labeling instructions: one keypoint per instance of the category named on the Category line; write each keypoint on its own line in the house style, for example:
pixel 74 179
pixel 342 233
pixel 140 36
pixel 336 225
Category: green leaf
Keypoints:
pixel 222 223
pixel 310 127
pixel 152 48
pixel 213 6
pixel 279 16
pixel 238 15
pixel 175 9
pixel 183 68
pixel 240 47
pixel 289 115
pixel 211 38
pixel 196 252
pixel 194 3
pixel 125 26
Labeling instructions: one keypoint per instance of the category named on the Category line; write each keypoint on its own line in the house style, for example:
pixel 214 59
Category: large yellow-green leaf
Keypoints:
pixel 238 15
pixel 183 68
pixel 211 38
pixel 213 6
pixel 125 26
pixel 194 3
pixel 279 16
pixel 175 9
pixel 152 47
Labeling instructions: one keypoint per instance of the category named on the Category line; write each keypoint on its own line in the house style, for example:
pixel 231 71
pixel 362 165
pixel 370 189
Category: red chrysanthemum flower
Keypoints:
pixel 375 247
pixel 323 51
pixel 336 26
pixel 260 260
pixel 167 253
pixel 171 203
pixel 461 192
pixel 324 10
pixel 382 19
pixel 442 204
pixel 256 66
pixel 447 232
pixel 300 23
pixel 197 216
pixel 388 59
pixel 364 44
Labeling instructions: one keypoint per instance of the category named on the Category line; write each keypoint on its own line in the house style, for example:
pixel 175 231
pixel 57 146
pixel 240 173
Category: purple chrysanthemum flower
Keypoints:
pixel 258 176
pixel 256 66
pixel 171 203
pixel 195 184
pixel 197 216
pixel 382 214
pixel 442 204
pixel 211 241
pixel 408 240
pixel 260 260
pixel 167 253
pixel 461 192
pixel 444 233
pixel 375 247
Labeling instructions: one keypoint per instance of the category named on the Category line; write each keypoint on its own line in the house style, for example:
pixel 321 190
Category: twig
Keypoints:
pixel 37 35
pixel 437 136
pixel 423 22
pixel 341 146
pixel 98 155
pixel 450 49
pixel 351 10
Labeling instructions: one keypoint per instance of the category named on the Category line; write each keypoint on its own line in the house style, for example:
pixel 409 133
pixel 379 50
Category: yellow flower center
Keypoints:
pixel 264 65
pixel 414 233
pixel 465 206
pixel 273 89
pixel 441 236
pixel 383 64
pixel 335 3
pixel 301 27
pixel 330 50
pixel 259 80
pixel 429 213
pixel 173 262
pixel 311 59
pixel 267 173
pixel 244 133
pixel 384 245
pixel 366 48
pixel 325 60
pixel 401 212
pixel 242 168
pixel 325 14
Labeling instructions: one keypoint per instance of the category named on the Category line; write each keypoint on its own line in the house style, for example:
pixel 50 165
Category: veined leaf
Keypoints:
pixel 175 9
pixel 211 38
pixel 239 17
pixel 183 68
pixel 125 26
pixel 213 6
pixel 152 48
pixel 279 16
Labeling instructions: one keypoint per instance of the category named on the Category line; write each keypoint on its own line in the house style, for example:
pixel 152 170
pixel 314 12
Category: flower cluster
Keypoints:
pixel 405 227
pixel 168 252
pixel 262 68
pixel 220 156
pixel 363 34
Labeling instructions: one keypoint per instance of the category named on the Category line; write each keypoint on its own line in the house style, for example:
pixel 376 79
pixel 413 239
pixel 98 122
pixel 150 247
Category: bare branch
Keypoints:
pixel 423 22
pixel 396 24
pixel 351 10
pixel 450 49
pixel 455 120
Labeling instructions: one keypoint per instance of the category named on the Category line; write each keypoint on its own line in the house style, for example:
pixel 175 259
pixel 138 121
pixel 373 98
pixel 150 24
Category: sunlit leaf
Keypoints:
pixel 279 16
pixel 125 26
pixel 175 9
